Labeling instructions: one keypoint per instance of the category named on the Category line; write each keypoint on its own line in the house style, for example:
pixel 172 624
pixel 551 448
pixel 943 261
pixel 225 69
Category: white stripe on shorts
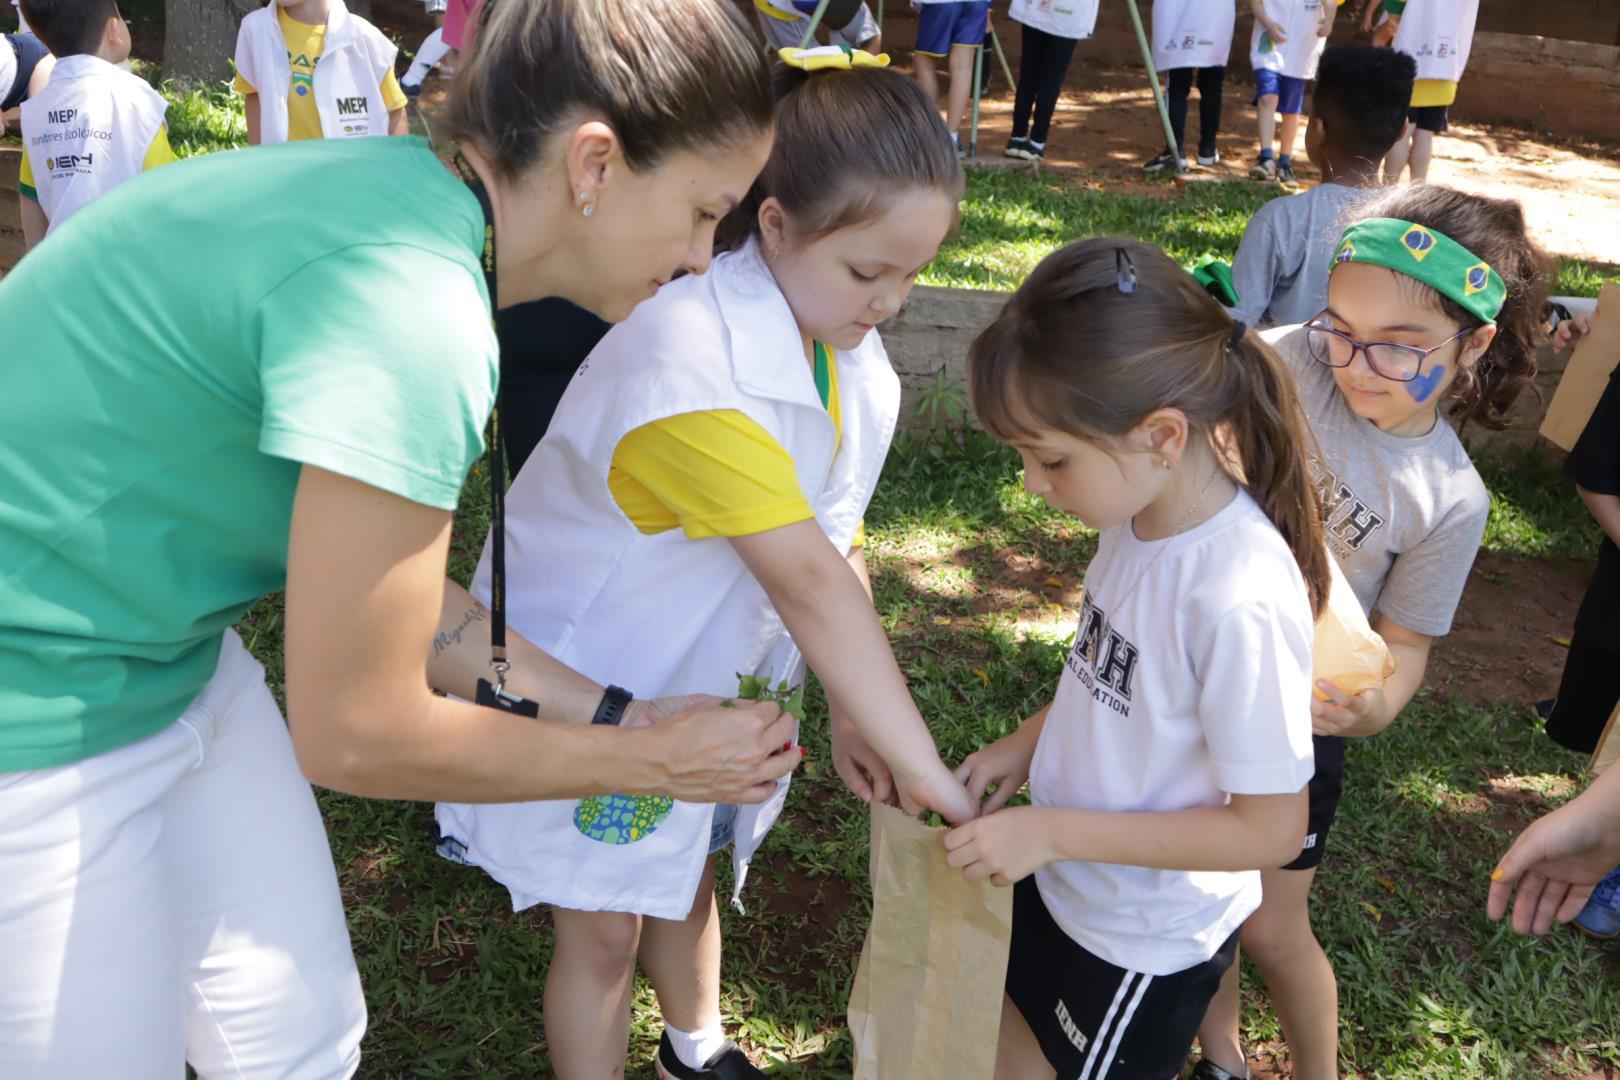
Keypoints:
pixel 1120 1028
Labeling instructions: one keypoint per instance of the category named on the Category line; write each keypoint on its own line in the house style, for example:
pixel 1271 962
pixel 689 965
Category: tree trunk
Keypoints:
pixel 200 38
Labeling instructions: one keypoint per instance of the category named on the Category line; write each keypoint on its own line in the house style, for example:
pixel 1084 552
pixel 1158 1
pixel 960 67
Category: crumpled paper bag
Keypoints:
pixel 1348 652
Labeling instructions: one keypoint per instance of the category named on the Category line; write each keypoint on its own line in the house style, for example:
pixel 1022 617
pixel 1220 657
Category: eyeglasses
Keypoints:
pixel 1388 359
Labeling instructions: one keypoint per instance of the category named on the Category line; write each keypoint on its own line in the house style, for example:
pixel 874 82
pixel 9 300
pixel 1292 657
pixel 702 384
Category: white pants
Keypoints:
pixel 174 900
pixel 787 33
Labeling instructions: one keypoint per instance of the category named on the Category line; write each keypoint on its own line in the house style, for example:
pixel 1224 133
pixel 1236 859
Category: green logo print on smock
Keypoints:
pixel 621 819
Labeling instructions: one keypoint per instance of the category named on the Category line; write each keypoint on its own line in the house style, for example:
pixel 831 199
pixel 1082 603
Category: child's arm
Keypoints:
pixel 1330 11
pixel 1606 509
pixel 34 222
pixel 1257 268
pixel 821 601
pixel 1271 25
pixel 398 123
pixel 1252 832
pixel 856 763
pixel 250 111
pixel 1371 711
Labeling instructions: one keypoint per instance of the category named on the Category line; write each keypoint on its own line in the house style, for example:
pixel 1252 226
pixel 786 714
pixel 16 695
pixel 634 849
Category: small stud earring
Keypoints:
pixel 588 209
pixel 1165 462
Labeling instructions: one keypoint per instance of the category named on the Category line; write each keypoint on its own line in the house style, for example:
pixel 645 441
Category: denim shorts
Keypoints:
pixel 724 829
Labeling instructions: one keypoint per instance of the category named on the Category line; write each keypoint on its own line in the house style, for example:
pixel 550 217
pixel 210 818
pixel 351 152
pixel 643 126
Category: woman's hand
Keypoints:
pixel 858 765
pixel 1353 716
pixel 1555 862
pixel 1005 846
pixel 1569 331
pixel 1004 764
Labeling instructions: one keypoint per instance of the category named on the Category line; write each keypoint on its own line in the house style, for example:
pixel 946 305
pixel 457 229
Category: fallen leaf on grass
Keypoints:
pixel 1372 909
pixel 984 676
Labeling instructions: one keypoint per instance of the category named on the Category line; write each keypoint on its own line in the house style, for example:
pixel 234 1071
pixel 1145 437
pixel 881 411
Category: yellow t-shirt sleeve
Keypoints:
pixel 860 536
pixel 707 473
pixel 242 86
pixel 393 97
pixel 160 152
pixel 25 179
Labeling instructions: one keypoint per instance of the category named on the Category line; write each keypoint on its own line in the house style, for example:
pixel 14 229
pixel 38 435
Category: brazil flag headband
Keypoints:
pixel 1431 257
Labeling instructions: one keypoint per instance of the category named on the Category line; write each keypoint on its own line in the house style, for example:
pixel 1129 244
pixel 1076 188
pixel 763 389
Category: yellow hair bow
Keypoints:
pixel 832 57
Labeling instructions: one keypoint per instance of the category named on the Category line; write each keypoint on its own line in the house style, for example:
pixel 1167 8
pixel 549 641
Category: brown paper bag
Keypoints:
pixel 1587 374
pixel 1608 747
pixel 1347 652
pixel 927 996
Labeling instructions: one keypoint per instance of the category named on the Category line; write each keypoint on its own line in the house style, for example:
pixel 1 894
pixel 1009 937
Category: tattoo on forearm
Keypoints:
pixel 446 639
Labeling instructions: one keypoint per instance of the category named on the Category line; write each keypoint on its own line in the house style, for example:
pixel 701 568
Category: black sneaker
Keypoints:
pixel 1035 152
pixel 1208 1070
pixel 1166 160
pixel 1017 148
pixel 727 1063
pixel 412 90
pixel 1263 169
pixel 1285 172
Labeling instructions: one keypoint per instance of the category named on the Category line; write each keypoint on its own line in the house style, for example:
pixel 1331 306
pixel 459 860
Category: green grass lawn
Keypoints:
pixel 976 582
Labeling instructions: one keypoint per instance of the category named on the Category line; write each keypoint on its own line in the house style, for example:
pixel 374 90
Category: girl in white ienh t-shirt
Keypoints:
pixel 1170 767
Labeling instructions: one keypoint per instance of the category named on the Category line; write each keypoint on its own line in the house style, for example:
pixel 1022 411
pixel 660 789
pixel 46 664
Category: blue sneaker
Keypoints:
pixel 1601 916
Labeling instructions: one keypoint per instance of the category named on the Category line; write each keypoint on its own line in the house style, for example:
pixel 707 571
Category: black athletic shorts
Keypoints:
pixel 1326 785
pixel 1096 1021
pixel 1435 118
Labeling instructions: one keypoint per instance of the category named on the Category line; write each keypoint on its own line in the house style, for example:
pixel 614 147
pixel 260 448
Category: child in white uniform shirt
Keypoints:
pixel 1172 763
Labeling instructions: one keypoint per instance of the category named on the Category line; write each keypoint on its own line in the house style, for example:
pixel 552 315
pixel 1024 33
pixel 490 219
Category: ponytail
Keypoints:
pixel 1106 331
pixel 1272 439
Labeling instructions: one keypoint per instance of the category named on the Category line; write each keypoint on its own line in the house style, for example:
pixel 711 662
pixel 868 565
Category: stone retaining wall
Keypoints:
pixel 932 333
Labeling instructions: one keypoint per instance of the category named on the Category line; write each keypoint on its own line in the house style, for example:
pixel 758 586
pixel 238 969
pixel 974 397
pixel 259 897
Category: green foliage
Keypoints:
pixel 1535 510
pixel 204 119
pixel 758 688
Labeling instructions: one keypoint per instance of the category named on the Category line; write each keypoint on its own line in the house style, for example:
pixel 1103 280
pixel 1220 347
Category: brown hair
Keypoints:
pixel 848 142
pixel 666 75
pixel 1075 353
pixel 1492 229
pixel 69 27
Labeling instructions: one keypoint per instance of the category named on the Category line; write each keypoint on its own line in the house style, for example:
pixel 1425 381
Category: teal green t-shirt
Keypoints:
pixel 173 354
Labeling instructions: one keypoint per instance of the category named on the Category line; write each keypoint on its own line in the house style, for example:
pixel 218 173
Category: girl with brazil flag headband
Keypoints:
pixel 1435 300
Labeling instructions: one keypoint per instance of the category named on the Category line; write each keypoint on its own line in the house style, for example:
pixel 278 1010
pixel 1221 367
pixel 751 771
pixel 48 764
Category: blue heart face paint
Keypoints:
pixel 1423 387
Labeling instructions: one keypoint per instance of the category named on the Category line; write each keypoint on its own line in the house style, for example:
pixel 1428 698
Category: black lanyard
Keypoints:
pixel 495 694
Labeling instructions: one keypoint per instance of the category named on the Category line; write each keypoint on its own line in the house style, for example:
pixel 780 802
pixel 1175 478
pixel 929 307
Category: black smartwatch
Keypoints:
pixel 614 703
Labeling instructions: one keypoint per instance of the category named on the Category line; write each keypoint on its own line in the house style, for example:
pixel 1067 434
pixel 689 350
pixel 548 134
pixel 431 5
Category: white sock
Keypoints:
pixel 432 51
pixel 696 1047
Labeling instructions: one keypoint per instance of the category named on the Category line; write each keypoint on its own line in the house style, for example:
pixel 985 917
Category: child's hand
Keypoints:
pixel 1353 716
pixel 1569 331
pixel 1274 28
pixel 862 771
pixel 939 791
pixel 1004 763
pixel 1554 864
pixel 644 713
pixel 1005 846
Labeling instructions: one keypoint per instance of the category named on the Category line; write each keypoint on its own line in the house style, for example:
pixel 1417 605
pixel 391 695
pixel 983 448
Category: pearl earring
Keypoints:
pixel 588 209
pixel 1165 462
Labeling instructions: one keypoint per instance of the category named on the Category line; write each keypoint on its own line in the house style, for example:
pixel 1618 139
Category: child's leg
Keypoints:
pixel 927 77
pixel 682 961
pixel 1018 1054
pixel 1287 135
pixel 1033 45
pixel 1299 979
pixel 1395 160
pixel 1219 1039
pixel 1181 84
pixel 1054 68
pixel 587 996
pixel 1211 82
pixel 427 57
pixel 1268 123
pixel 1422 154
pixel 961 84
